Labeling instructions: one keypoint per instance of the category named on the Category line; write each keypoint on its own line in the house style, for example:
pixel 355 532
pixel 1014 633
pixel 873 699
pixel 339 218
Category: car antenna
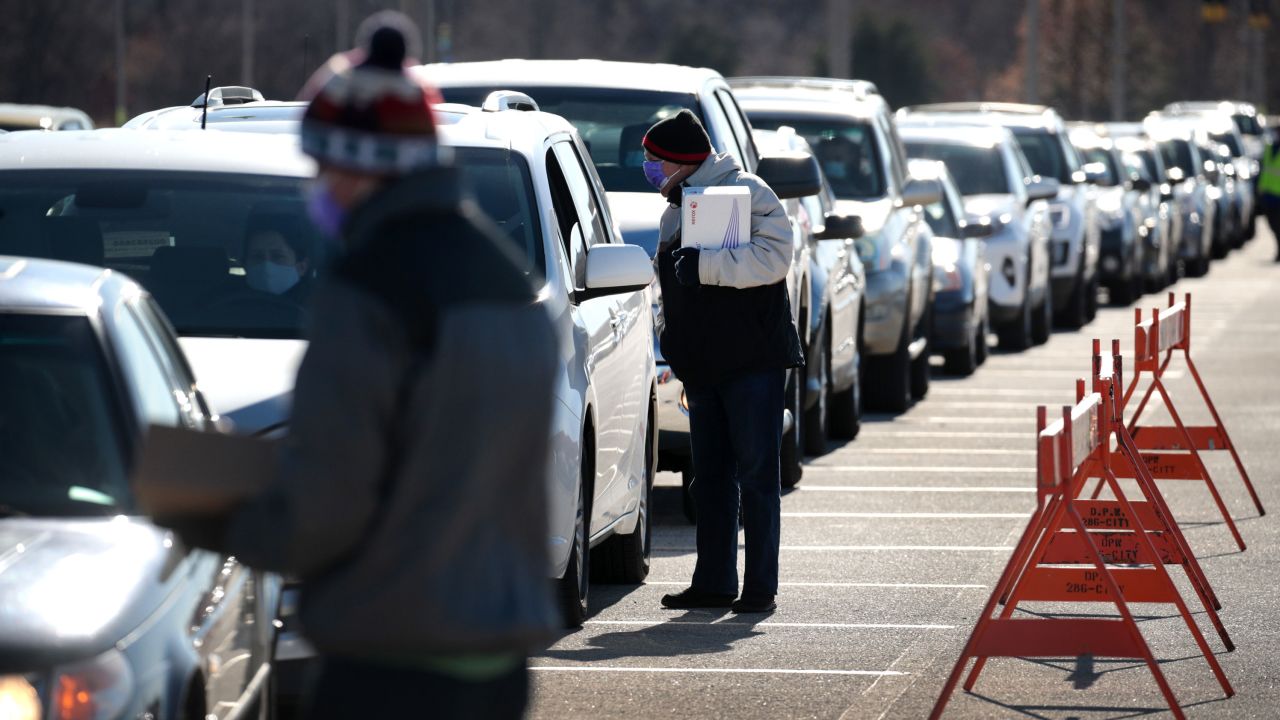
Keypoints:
pixel 204 114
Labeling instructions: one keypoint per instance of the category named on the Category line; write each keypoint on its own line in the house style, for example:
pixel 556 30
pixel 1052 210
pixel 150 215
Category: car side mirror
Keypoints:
pixel 1039 188
pixel 791 175
pixel 616 269
pixel 838 227
pixel 921 192
pixel 977 230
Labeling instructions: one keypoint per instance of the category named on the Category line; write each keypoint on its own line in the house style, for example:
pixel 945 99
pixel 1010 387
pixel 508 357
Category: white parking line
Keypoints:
pixel 944 451
pixel 821 626
pixel 738 671
pixel 908 586
pixel 959 420
pixel 869 433
pixel 907 515
pixel 912 489
pixel 911 468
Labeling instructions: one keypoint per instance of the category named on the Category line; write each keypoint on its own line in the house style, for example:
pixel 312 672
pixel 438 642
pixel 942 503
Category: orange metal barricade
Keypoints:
pixel 1069 453
pixel 1173 452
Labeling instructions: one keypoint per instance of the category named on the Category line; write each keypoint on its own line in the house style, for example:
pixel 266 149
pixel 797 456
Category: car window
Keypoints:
pixel 718 126
pixel 1149 161
pixel 62 435
pixel 567 221
pixel 146 375
pixel 611 123
pixel 501 184
pixel 741 129
pixel 846 149
pixel 1231 140
pixel 897 153
pixel 941 219
pixel 580 189
pixel 1045 154
pixel 977 169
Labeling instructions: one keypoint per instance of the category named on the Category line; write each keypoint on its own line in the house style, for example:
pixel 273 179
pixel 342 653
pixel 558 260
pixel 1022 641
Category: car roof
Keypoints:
pixel 1235 107
pixel 808 101
pixel 1012 115
pixel 19 112
pixel 953 133
pixel 177 150
pixel 658 77
pixel 520 131
pixel 55 286
pixel 182 117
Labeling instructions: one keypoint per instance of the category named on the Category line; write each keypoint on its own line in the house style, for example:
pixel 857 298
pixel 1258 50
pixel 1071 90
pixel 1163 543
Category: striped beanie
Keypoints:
pixel 367 112
pixel 678 139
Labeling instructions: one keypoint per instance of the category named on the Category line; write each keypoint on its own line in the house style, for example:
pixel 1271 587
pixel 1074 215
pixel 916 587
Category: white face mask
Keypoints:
pixel 271 278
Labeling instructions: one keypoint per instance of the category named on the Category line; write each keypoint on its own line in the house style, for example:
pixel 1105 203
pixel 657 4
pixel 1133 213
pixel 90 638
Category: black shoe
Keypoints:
pixel 693 598
pixel 750 605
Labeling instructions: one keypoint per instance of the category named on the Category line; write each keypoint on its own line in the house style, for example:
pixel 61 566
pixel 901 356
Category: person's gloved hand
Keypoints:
pixel 676 195
pixel 687 266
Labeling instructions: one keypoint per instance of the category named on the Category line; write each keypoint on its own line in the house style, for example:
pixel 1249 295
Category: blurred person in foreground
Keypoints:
pixel 410 497
pixel 729 336
pixel 1269 187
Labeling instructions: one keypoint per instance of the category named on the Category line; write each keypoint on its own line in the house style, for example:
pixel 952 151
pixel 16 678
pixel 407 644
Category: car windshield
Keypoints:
pixel 977 169
pixel 1045 153
pixel 1232 143
pixel 1177 153
pixel 1248 124
pixel 224 255
pixel 611 123
pixel 60 431
pixel 847 151
pixel 1107 160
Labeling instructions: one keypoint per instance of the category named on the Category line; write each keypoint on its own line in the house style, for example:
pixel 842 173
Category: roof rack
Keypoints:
pixel 500 100
pixel 229 95
pixel 862 88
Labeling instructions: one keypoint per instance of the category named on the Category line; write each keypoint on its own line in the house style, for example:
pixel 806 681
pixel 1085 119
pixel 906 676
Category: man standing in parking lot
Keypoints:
pixel 410 498
pixel 1269 188
pixel 729 336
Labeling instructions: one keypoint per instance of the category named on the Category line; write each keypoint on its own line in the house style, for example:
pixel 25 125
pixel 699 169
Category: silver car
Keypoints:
pixel 851 129
pixel 1124 209
pixel 1196 196
pixel 1000 192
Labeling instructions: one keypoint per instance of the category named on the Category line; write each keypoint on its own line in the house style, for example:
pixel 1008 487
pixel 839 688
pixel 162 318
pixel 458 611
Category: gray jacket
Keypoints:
pixel 411 494
pixel 763 261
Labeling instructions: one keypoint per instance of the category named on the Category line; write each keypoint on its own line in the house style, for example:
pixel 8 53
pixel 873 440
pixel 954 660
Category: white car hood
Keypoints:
pixel 249 381
pixel 874 213
pixel 993 205
pixel 638 215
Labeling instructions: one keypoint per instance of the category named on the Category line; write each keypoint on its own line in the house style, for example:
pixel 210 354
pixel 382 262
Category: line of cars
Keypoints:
pixel 915 233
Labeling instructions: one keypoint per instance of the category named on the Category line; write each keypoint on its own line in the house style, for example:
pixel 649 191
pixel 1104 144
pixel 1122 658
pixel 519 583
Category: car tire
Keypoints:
pixel 1017 334
pixel 920 365
pixel 963 361
pixel 984 329
pixel 890 386
pixel 1091 299
pixel 1076 314
pixel 792 456
pixel 815 418
pixel 1197 267
pixel 573 588
pixel 845 410
pixel 1042 318
pixel 626 558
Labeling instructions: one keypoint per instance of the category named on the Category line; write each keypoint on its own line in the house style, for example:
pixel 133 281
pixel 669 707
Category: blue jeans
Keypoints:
pixel 735 428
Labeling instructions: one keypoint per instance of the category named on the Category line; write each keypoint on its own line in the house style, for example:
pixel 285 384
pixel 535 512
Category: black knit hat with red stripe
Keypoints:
pixel 368 112
pixel 678 139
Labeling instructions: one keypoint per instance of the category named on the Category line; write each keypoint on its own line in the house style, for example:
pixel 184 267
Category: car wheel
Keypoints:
pixel 845 418
pixel 1198 267
pixel 815 418
pixel 920 366
pixel 626 558
pixel 890 378
pixel 792 455
pixel 573 586
pixel 1076 313
pixel 963 361
pixel 980 342
pixel 1017 334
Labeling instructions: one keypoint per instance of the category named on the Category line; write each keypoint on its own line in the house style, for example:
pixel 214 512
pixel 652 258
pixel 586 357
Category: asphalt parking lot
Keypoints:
pixel 891 542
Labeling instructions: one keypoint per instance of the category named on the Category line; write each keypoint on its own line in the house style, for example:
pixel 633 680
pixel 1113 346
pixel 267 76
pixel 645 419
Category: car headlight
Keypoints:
pixel 97 689
pixel 18 699
pixel 1060 215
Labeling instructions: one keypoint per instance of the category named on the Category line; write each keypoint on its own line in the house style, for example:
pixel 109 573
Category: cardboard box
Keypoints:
pixel 715 218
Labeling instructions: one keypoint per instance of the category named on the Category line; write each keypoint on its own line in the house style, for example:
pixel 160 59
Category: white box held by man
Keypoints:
pixel 715 218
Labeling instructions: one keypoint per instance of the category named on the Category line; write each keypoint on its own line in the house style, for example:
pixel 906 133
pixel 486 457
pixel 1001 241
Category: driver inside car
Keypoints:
pixel 278 257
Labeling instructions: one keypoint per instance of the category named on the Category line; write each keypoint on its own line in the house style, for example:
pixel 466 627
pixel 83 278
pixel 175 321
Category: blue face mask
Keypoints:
pixel 325 212
pixel 271 278
pixel 653 173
